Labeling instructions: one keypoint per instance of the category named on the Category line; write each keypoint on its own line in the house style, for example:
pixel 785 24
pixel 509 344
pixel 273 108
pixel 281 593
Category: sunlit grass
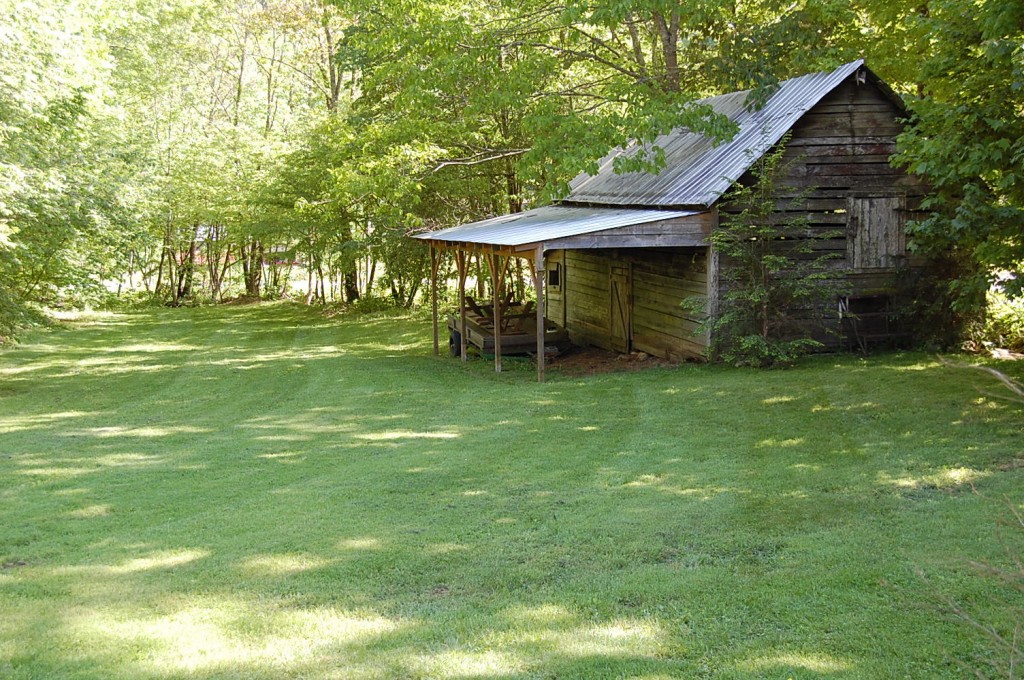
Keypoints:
pixel 261 492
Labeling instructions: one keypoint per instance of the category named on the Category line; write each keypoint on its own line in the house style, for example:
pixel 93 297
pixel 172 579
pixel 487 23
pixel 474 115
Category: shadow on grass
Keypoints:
pixel 260 492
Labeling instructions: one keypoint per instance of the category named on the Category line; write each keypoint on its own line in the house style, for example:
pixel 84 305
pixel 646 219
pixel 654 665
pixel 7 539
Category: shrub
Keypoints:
pixel 1004 320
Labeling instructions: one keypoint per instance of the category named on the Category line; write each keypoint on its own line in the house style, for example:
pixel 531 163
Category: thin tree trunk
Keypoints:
pixel 320 281
pixel 213 262
pixel 668 31
pixel 187 270
pixel 164 251
pixel 252 267
pixel 223 274
pixel 332 65
pixel 349 273
pixel 370 276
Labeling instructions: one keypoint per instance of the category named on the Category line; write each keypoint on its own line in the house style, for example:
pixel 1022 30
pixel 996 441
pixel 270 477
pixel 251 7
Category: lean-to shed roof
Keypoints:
pixel 549 223
pixel 696 171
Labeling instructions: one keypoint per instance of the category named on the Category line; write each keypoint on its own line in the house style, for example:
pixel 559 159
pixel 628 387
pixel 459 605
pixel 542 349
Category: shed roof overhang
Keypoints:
pixel 577 227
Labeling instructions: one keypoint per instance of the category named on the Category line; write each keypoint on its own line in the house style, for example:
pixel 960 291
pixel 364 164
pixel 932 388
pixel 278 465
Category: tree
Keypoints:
pixel 192 147
pixel 968 141
pixel 64 214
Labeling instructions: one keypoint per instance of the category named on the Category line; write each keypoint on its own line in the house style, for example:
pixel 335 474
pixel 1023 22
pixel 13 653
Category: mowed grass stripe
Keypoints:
pixel 261 491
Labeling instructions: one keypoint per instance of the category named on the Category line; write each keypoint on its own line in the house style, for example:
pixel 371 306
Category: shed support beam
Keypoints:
pixel 538 285
pixel 435 262
pixel 497 284
pixel 460 262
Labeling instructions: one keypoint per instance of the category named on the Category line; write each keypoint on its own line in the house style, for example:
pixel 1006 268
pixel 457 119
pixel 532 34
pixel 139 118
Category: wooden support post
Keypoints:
pixel 435 263
pixel 460 262
pixel 538 283
pixel 711 308
pixel 497 279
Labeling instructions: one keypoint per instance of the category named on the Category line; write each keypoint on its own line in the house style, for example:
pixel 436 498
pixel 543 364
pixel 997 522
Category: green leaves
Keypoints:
pixel 967 141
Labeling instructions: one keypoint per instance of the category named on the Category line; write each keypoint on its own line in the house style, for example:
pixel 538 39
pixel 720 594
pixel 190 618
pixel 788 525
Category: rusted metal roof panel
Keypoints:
pixel 697 172
pixel 549 223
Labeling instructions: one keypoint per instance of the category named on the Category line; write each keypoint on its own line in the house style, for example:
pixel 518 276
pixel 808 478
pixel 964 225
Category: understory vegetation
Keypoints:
pixel 260 491
pixel 1004 326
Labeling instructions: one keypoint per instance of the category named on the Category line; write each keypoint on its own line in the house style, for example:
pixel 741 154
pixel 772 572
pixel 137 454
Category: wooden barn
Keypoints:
pixel 614 260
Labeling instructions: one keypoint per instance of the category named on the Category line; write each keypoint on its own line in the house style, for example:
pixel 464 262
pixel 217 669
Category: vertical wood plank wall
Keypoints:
pixel 587 292
pixel 655 280
pixel 877 233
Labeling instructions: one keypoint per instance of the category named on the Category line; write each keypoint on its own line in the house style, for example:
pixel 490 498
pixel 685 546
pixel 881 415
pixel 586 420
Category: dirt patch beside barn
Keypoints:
pixel 592 360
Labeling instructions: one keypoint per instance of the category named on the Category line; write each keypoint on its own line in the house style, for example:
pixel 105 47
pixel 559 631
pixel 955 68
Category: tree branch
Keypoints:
pixel 477 160
pixel 585 55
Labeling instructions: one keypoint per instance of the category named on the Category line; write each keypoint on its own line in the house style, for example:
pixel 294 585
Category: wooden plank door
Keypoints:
pixel 621 308
pixel 878 232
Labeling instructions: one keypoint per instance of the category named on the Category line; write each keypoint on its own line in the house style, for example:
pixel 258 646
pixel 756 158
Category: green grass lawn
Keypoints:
pixel 261 492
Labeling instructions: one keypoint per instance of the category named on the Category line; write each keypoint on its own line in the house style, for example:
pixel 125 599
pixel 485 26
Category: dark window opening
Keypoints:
pixel 555 277
pixel 870 320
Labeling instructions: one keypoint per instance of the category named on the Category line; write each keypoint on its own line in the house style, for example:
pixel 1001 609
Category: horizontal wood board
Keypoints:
pixel 855 203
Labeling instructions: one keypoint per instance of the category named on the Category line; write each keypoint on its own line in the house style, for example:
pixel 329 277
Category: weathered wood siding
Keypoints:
pixel 855 203
pixel 587 291
pixel 554 308
pixel 631 299
pixel 661 282
pixel 876 232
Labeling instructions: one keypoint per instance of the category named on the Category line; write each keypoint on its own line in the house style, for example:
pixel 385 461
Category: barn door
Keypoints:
pixel 878 232
pixel 622 308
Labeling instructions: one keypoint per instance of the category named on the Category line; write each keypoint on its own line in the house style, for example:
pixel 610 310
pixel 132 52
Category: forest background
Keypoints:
pixel 183 151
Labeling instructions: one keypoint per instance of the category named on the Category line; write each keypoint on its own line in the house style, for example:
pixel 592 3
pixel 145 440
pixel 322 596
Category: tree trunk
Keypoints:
pixel 160 270
pixel 412 294
pixel 350 278
pixel 320 283
pixel 331 64
pixel 213 262
pixel 349 271
pixel 252 267
pixel 187 271
pixel 668 31
pixel 370 275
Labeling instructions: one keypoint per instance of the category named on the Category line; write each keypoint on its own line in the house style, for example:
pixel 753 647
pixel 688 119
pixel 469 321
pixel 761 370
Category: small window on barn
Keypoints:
pixel 555 277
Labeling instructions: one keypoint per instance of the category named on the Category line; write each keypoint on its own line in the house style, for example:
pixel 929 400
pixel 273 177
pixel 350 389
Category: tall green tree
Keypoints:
pixel 63 213
pixel 194 145
pixel 968 140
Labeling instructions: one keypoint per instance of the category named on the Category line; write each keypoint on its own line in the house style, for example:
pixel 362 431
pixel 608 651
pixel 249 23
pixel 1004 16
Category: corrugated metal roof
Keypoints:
pixel 549 223
pixel 697 173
